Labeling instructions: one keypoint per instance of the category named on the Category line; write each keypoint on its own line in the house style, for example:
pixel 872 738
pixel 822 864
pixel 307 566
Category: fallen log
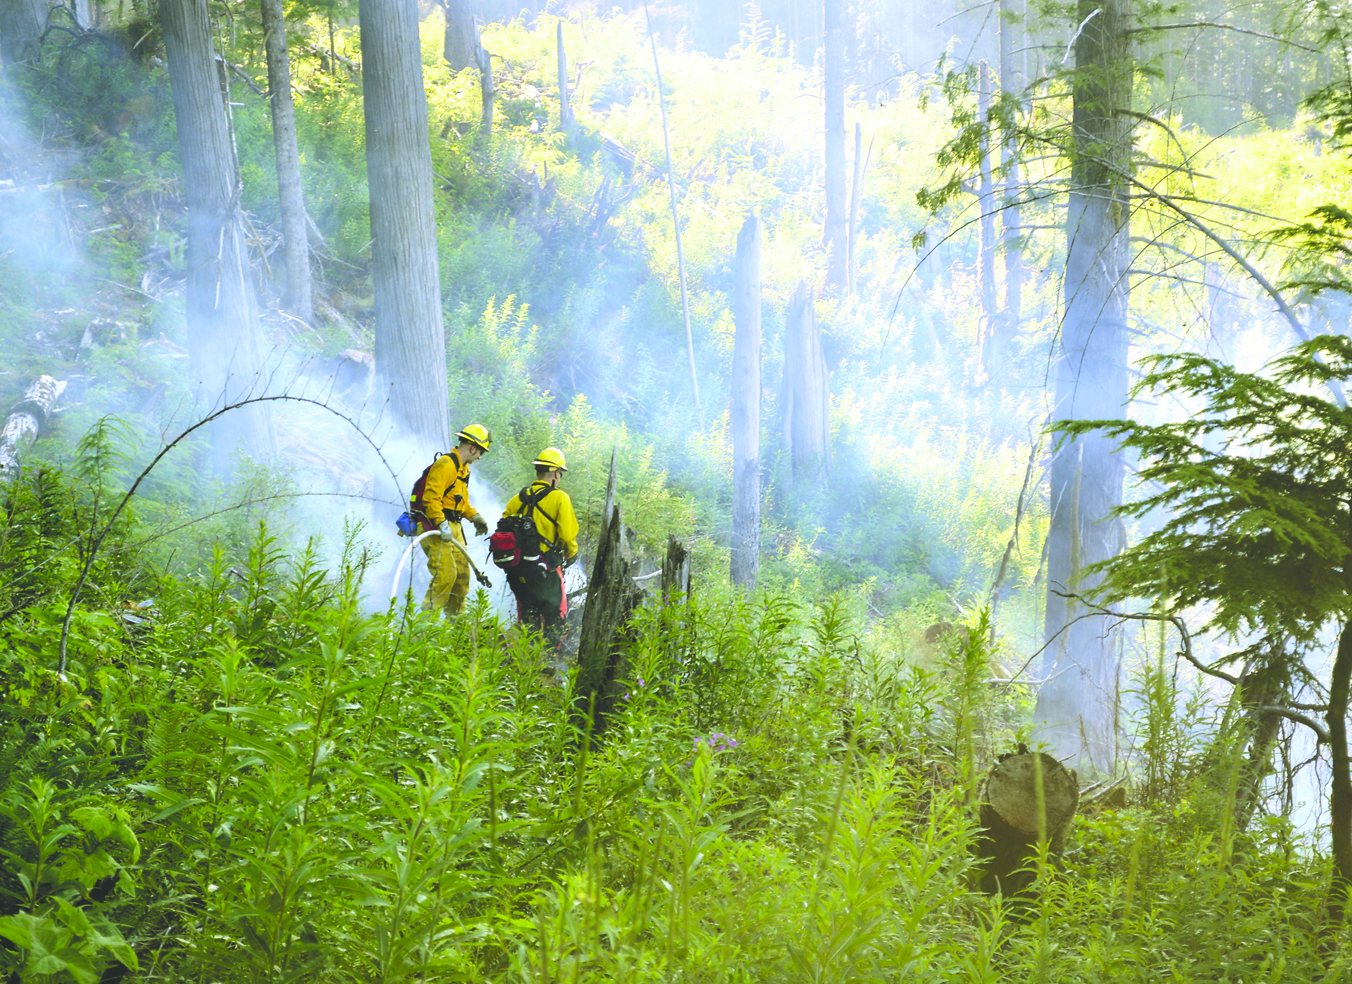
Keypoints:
pixel 25 422
pixel 1011 821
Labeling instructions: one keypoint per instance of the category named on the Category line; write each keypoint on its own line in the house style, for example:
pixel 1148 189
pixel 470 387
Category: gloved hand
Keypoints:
pixel 480 525
pixel 445 529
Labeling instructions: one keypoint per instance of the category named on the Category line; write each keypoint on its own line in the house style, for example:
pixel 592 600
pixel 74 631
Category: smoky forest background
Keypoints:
pixel 954 401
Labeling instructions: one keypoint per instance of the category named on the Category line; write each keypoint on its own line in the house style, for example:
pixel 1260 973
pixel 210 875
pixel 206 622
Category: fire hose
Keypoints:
pixel 394 585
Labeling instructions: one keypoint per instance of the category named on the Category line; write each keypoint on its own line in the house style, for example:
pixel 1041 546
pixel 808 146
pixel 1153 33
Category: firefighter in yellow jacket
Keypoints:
pixel 443 504
pixel 541 601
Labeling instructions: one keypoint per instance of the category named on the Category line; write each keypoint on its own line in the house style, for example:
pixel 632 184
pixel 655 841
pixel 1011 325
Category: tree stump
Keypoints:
pixel 612 596
pixel 676 573
pixel 25 422
pixel 1009 818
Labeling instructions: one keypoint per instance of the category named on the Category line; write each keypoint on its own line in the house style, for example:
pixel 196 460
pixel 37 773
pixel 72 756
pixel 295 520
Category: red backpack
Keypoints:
pixel 516 539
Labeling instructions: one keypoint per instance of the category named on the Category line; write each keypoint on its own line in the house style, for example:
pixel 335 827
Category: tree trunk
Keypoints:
pixel 746 407
pixel 460 43
pixel 1076 711
pixel 1010 32
pixel 1012 825
pixel 1258 690
pixel 21 25
pixel 852 230
pixel 986 229
pixel 1340 791
pixel 225 343
pixel 833 233
pixel 565 109
pixel 611 597
pixel 288 162
pixel 806 389
pixel 410 339
pixel 676 573
pixel 487 90
pixel 25 422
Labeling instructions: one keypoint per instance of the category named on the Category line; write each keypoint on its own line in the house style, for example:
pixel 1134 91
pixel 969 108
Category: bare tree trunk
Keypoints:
pixel 834 231
pixel 1340 790
pixel 1013 222
pixel 565 109
pixel 410 339
pixel 21 25
pixel 487 90
pixel 986 227
pixel 460 43
pixel 225 342
pixel 746 407
pixel 807 392
pixel 288 161
pixel 1076 712
pixel 856 183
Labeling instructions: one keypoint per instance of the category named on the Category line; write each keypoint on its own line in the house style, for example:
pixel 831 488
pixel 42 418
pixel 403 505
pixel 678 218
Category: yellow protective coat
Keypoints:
pixel 446 493
pixel 446 497
pixel 554 520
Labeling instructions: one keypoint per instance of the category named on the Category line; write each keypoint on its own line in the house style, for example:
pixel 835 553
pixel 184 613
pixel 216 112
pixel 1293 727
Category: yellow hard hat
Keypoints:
pixel 478 435
pixel 551 458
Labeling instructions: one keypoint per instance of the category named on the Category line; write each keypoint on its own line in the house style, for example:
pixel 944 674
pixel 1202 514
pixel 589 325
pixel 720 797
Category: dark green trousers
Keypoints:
pixel 540 600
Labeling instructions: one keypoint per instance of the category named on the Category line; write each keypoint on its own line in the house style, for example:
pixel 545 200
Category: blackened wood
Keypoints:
pixel 676 573
pixel 611 597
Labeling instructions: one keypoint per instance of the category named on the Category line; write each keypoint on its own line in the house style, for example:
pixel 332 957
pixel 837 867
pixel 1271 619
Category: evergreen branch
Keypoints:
pixel 1223 27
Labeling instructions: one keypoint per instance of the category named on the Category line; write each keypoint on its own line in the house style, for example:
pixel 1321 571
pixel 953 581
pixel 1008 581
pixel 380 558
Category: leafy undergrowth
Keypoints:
pixel 253 779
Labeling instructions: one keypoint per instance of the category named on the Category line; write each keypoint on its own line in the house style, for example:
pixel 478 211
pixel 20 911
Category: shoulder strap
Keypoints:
pixel 531 503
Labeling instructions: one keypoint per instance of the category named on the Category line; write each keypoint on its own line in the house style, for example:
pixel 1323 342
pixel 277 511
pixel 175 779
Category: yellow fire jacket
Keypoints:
pixel 446 492
pixel 554 518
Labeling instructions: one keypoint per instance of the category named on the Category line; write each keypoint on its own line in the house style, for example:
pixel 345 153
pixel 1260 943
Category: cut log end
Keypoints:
pixel 1011 822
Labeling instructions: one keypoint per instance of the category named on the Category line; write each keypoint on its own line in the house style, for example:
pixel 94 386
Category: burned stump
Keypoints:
pixel 612 597
pixel 1010 824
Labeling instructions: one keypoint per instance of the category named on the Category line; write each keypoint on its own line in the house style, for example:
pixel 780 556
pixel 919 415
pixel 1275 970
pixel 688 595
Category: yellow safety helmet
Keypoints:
pixel 478 435
pixel 551 458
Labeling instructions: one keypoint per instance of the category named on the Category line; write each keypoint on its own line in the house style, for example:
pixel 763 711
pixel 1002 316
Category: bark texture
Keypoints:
pixel 834 231
pixel 1076 713
pixel 21 25
pixel 25 422
pixel 565 107
pixel 288 161
pixel 410 339
pixel 1010 819
pixel 746 407
pixel 986 229
pixel 806 401
pixel 225 343
pixel 1340 792
pixel 611 597
pixel 676 573
pixel 460 43
pixel 1008 326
